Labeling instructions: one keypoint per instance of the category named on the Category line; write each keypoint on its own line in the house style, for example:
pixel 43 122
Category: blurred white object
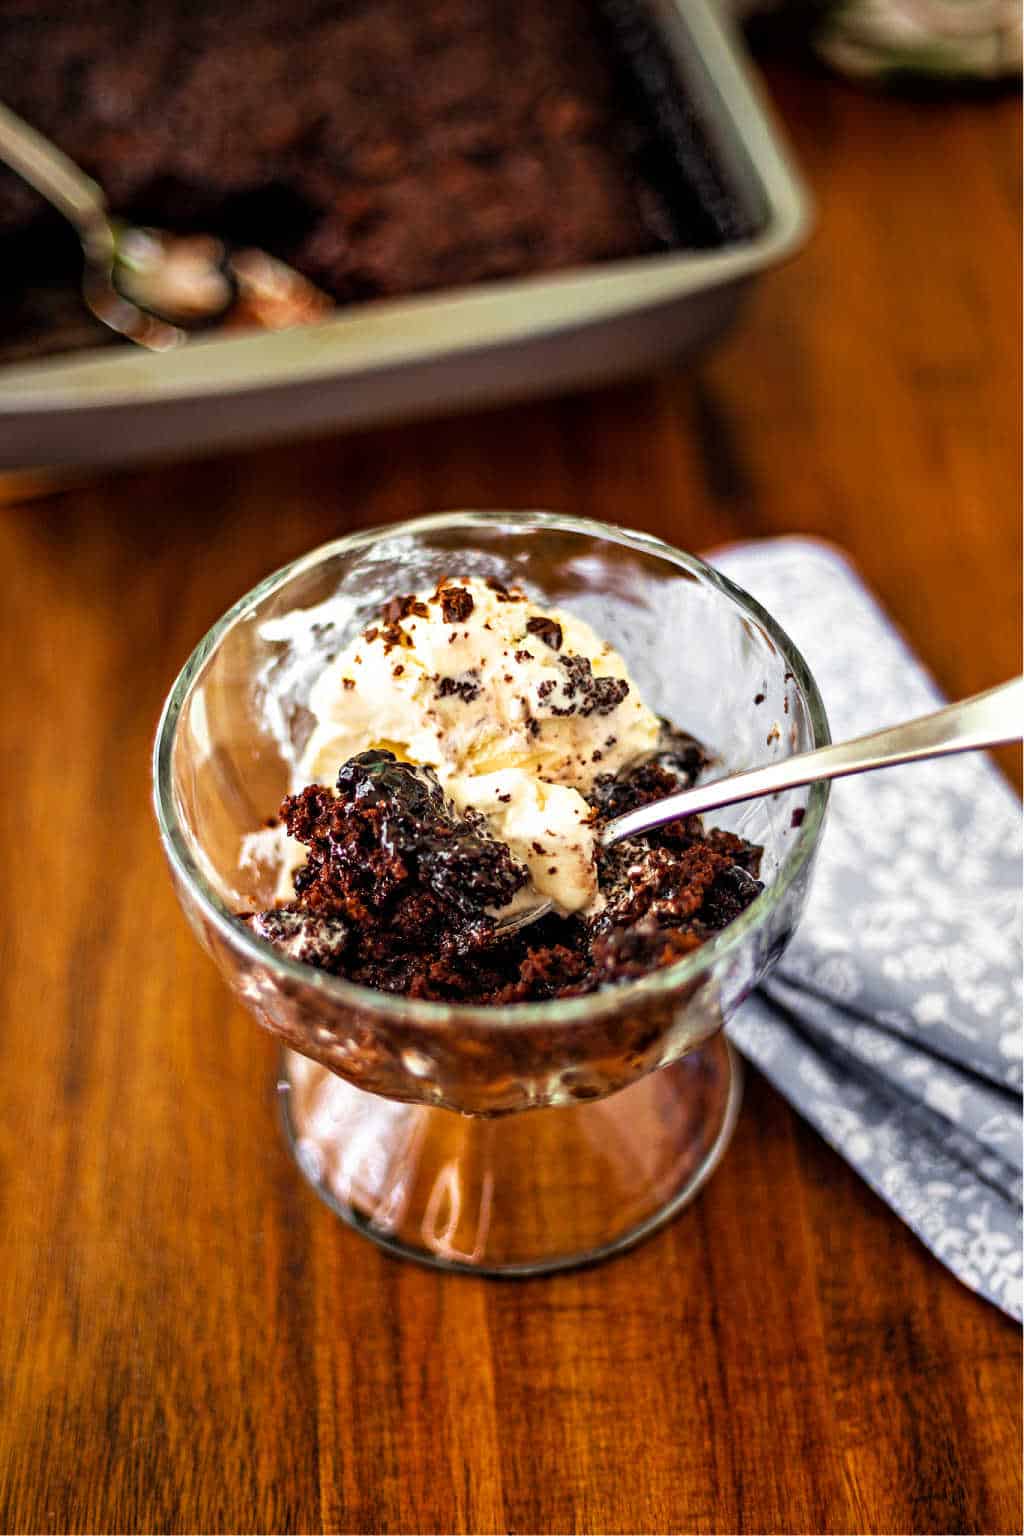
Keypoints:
pixel 874 38
pixel 925 37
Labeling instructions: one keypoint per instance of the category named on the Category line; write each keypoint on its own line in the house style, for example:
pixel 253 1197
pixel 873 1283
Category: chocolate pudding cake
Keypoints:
pixel 397 890
pixel 522 737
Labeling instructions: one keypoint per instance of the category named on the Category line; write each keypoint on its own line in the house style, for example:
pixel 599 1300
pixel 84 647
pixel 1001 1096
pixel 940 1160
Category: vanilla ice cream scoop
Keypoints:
pixel 518 708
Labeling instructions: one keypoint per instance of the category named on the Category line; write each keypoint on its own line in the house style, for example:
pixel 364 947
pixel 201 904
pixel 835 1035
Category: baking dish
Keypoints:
pixel 382 361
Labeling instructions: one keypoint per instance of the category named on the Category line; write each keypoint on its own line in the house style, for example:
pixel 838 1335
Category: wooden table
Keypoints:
pixel 188 1339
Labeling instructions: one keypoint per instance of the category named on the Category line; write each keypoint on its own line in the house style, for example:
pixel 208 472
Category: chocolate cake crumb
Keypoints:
pixel 456 605
pixel 400 607
pixel 394 636
pixel 465 688
pixel 547 630
pixel 587 694
pixel 797 818
pixel 759 698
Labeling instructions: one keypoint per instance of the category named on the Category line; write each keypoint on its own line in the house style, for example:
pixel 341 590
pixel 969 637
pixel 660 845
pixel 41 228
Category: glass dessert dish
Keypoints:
pixel 409 1117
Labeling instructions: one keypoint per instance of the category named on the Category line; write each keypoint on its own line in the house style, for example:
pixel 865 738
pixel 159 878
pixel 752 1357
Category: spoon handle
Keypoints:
pixel 986 720
pixel 59 180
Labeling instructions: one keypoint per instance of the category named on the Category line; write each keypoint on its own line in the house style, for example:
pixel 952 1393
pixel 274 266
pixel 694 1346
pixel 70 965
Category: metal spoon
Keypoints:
pixel 149 285
pixel 986 720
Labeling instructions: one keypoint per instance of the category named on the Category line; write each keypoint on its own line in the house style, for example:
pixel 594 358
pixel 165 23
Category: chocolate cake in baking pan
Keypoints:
pixel 382 147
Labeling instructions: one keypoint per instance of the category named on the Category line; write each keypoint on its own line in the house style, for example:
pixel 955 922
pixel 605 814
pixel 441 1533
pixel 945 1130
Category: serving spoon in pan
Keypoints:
pixel 151 286
pixel 986 720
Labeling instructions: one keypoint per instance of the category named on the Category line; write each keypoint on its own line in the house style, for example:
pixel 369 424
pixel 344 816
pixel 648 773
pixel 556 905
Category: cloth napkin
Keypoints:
pixel 893 1022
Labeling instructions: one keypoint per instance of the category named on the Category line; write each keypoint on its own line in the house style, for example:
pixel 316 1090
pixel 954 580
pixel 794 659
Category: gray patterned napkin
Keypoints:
pixel 893 1023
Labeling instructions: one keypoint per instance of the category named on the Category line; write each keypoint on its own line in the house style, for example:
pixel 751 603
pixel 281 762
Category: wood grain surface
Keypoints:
pixel 188 1339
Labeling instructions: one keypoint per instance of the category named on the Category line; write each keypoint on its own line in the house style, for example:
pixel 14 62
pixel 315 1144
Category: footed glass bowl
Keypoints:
pixel 408 1117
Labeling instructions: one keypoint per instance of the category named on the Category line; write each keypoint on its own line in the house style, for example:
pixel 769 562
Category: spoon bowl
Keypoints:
pixel 155 288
